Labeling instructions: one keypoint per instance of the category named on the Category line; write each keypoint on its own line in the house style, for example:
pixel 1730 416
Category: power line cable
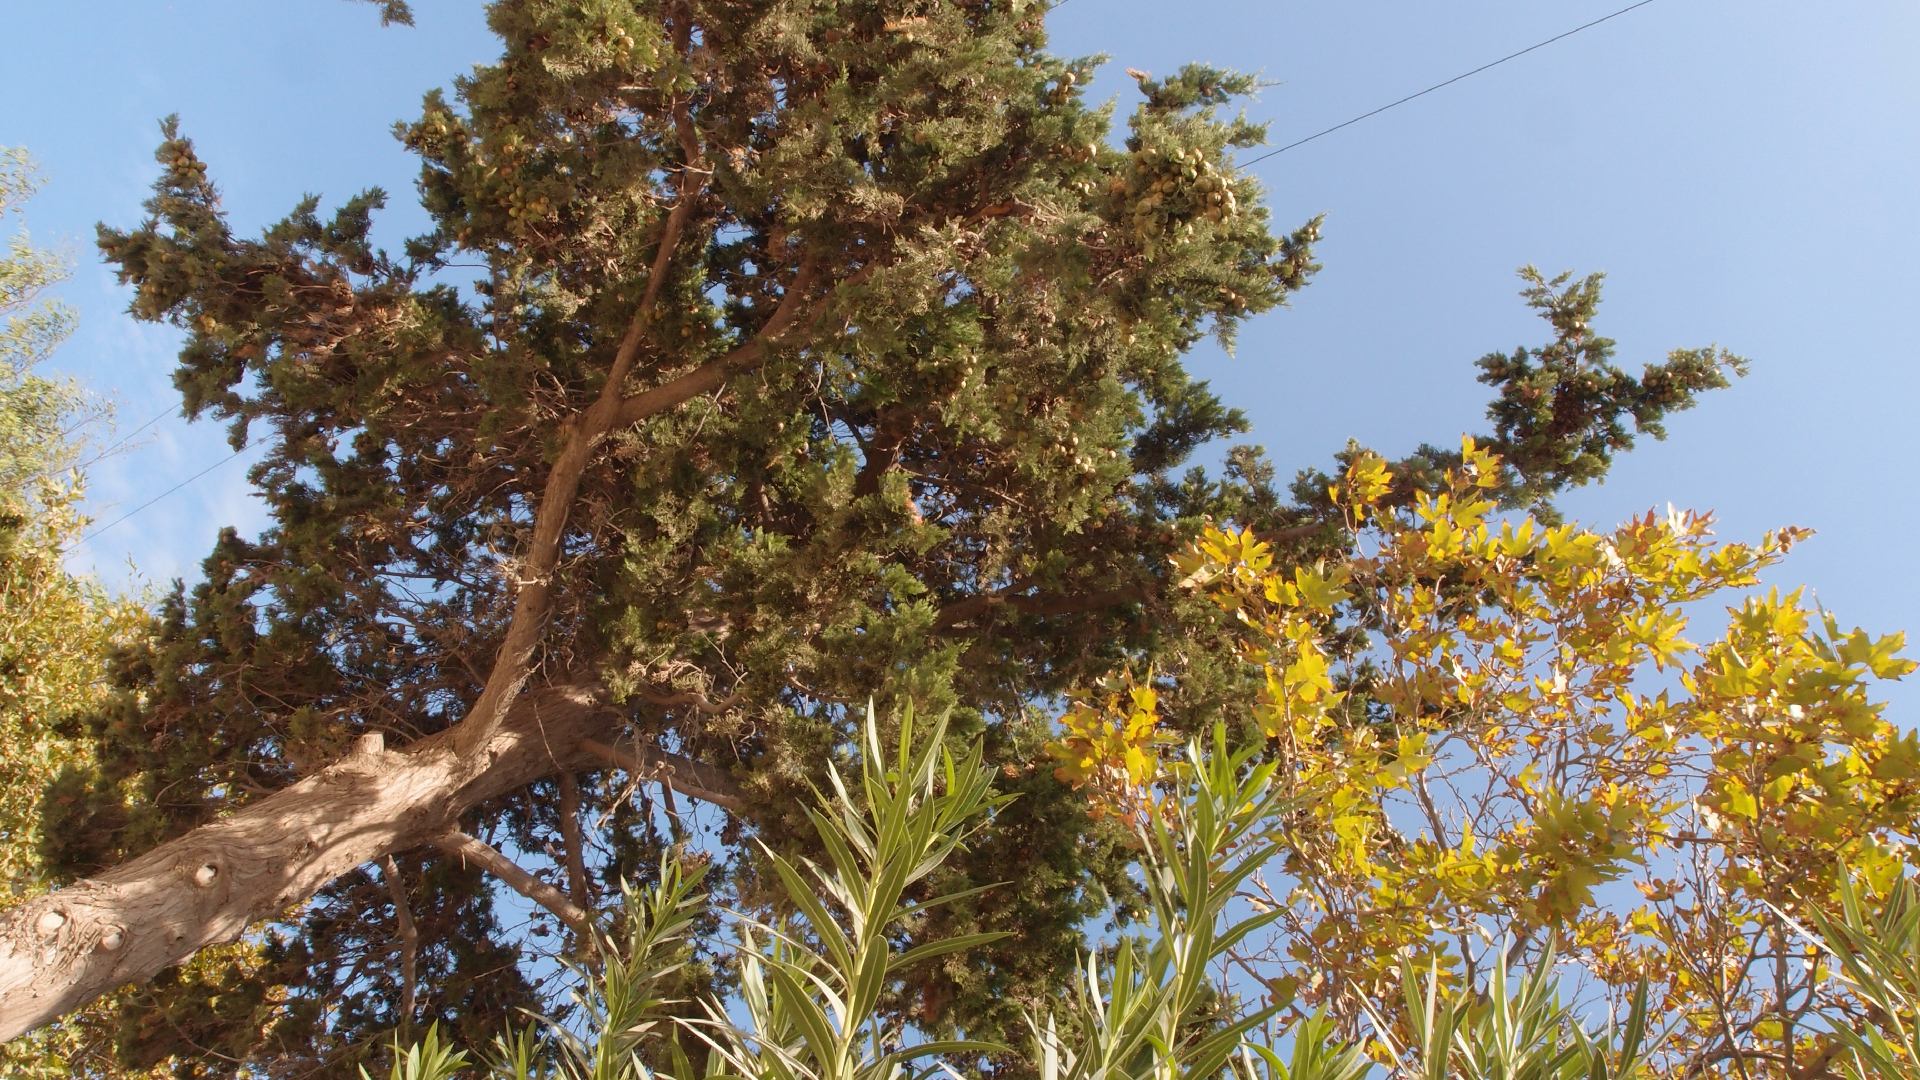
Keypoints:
pixel 1449 82
pixel 162 495
pixel 108 451
pixel 128 437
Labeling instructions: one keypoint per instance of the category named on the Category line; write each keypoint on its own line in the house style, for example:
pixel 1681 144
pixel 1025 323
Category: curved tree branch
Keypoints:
pixel 688 777
pixel 486 858
pixel 697 702
pixel 584 432
pixel 409 938
pixel 714 374
pixel 575 844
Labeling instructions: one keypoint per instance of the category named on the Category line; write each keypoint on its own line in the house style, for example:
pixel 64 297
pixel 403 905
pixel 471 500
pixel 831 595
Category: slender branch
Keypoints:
pixel 713 375
pixel 486 858
pixel 881 454
pixel 975 606
pixel 688 777
pixel 1291 532
pixel 1001 209
pixel 674 825
pixel 697 702
pixel 409 938
pixel 574 843
pixel 584 431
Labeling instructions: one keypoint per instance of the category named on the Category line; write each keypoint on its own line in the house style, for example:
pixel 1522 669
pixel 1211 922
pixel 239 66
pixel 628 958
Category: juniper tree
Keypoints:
pixel 762 360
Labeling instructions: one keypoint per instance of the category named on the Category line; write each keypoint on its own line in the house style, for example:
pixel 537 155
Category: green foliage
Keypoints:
pixel 934 313
pixel 617 1002
pixel 394 11
pixel 429 1059
pixel 1518 1030
pixel 39 417
pixel 56 628
pixel 1316 1054
pixel 1875 954
pixel 1562 410
pixel 809 997
pixel 949 484
pixel 1149 1016
pixel 811 986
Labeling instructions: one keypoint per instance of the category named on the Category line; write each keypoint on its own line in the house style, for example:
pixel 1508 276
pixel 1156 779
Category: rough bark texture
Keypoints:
pixel 62 950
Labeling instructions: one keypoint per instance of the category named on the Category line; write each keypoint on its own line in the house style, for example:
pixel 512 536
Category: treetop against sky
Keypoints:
pixel 1744 173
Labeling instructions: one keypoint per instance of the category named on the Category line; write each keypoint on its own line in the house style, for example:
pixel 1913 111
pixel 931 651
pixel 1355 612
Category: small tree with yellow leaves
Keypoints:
pixel 1499 742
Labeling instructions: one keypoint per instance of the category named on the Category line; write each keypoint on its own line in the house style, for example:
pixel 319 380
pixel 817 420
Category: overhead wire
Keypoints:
pixel 109 450
pixel 162 495
pixel 1444 85
pixel 128 437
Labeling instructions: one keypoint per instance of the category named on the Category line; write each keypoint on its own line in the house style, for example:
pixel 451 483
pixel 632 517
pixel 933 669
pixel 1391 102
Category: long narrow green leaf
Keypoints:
pixel 944 946
pixel 814 1023
pixel 802 897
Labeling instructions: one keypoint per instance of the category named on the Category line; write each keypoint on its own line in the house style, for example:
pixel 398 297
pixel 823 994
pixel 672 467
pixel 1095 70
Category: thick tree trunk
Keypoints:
pixel 60 951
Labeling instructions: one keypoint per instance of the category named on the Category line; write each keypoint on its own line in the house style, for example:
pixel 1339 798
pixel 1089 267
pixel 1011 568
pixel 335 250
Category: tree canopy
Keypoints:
pixel 763 361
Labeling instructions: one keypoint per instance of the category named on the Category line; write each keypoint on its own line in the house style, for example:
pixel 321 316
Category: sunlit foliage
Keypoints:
pixel 56 627
pixel 1497 736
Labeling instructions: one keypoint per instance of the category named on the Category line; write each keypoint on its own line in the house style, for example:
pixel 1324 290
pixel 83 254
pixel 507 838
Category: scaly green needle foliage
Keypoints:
pixel 890 323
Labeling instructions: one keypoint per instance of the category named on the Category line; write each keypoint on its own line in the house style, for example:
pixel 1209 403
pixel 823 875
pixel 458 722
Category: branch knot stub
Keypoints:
pixel 157 909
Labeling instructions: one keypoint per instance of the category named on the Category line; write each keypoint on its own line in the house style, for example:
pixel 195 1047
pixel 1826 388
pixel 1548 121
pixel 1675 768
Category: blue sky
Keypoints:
pixel 1746 173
